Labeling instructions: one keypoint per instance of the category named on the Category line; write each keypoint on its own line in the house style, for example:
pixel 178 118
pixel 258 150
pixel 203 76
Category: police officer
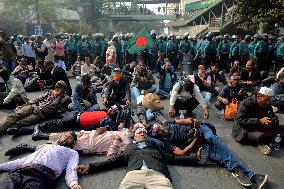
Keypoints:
pixel 172 51
pixel 205 50
pixel 252 45
pixel 261 52
pixel 96 46
pixel 223 52
pixel 280 53
pixel 117 45
pixel 103 43
pixel 187 52
pixel 162 45
pixel 234 50
pixel 243 50
pixel 153 53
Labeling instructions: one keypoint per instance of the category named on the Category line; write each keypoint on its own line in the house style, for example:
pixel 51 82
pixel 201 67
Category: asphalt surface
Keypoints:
pixel 203 177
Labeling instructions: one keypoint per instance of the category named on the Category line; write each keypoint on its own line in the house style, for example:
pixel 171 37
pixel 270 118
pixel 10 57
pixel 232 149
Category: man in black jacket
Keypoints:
pixel 118 92
pixel 250 76
pixel 255 121
pixel 183 136
pixel 57 75
pixel 146 164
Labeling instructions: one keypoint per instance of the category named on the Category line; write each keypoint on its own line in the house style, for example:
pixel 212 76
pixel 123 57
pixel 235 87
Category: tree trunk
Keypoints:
pixel 261 28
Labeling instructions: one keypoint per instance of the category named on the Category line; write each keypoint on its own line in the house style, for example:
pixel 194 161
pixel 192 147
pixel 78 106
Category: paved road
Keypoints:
pixel 209 177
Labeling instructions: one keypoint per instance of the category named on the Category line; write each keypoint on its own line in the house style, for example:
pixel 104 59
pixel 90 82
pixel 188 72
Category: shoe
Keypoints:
pixel 39 135
pixel 21 131
pixel 241 178
pixel 20 149
pixel 260 180
pixel 265 149
pixel 13 131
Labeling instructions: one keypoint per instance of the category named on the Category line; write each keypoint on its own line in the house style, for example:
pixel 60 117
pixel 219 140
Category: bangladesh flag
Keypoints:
pixel 140 41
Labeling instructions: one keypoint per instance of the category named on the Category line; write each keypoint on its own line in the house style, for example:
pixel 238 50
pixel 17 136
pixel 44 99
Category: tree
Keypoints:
pixel 43 10
pixel 11 23
pixel 259 12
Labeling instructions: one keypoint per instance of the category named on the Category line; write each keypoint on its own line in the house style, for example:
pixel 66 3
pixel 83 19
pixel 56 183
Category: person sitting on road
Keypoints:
pixel 278 89
pixel 216 76
pixel 235 68
pixel 128 71
pixel 89 68
pixel 76 68
pixel 143 81
pixel 229 92
pixel 251 77
pixel 21 72
pixel 118 91
pixel 16 94
pixel 186 96
pixel 38 109
pixel 84 97
pixel 40 169
pixel 255 121
pixel 57 74
pixel 168 79
pixel 204 83
pixel 184 136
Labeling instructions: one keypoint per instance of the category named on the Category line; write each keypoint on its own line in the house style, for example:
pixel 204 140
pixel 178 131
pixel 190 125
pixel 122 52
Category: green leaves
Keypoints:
pixel 249 12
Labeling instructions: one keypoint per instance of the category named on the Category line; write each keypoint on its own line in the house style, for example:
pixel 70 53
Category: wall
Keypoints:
pixel 192 30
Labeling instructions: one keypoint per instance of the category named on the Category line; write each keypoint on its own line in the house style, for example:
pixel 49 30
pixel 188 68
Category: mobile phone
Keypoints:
pixel 203 156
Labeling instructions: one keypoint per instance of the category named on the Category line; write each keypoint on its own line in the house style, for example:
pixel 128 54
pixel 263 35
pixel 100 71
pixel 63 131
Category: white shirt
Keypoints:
pixel 175 94
pixel 15 88
pixel 28 50
pixel 54 157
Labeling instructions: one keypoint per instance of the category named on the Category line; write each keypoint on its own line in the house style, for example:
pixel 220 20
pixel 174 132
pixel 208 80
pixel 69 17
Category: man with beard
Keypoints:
pixel 41 168
pixel 146 165
pixel 250 77
pixel 109 143
pixel 256 122
pixel 184 136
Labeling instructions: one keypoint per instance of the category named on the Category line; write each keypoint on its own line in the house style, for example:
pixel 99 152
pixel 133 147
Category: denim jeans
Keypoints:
pixel 207 97
pixel 163 93
pixel 137 92
pixel 220 154
pixel 80 107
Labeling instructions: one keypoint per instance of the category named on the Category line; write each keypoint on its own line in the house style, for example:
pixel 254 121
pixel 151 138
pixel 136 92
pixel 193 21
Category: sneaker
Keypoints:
pixel 260 180
pixel 241 178
pixel 265 149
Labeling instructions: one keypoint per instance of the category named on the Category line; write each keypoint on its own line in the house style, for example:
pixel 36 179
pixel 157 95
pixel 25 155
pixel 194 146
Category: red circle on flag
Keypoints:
pixel 141 41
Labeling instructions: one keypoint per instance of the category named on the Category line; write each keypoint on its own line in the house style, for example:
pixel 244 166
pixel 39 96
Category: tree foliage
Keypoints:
pixel 249 12
pixel 20 11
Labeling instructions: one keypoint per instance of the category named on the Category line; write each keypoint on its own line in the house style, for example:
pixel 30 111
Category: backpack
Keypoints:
pixel 231 110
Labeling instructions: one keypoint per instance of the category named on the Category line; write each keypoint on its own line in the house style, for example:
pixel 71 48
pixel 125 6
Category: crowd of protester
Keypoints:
pixel 214 70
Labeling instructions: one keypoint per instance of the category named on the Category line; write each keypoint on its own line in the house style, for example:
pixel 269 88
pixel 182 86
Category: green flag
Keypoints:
pixel 140 41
